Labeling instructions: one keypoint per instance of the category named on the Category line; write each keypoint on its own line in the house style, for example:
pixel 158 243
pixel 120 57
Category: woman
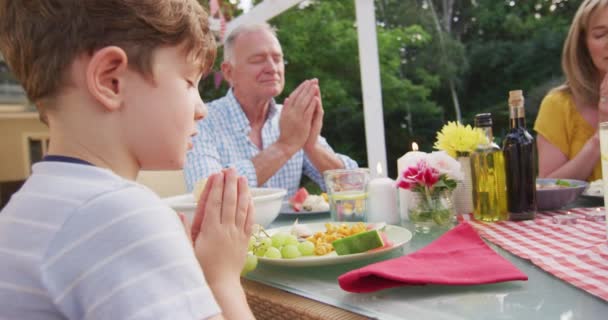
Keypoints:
pixel 567 122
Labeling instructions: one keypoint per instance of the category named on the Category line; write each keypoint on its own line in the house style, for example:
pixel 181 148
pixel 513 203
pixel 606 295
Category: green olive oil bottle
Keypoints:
pixel 488 176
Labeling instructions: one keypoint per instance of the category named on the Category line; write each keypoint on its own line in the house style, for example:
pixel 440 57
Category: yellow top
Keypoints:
pixel 560 123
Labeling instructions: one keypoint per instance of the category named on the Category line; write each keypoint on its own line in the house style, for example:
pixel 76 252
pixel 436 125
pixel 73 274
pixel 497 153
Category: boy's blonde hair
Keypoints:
pixel 582 77
pixel 41 38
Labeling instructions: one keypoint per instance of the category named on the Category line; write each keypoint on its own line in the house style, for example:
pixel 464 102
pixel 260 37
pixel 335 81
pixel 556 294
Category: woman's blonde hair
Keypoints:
pixel 582 77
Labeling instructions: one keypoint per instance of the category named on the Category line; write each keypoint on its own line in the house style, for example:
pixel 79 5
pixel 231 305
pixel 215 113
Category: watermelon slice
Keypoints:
pixel 298 199
pixel 359 242
pixel 387 242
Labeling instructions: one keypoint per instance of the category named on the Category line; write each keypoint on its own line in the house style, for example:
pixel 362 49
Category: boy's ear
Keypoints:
pixel 106 76
pixel 227 71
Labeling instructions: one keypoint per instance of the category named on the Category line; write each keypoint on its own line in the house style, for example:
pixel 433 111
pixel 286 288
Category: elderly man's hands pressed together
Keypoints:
pixel 301 123
pixel 297 115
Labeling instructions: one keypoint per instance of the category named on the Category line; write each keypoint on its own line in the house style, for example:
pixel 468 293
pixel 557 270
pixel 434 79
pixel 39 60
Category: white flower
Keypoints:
pixel 445 164
pixel 412 158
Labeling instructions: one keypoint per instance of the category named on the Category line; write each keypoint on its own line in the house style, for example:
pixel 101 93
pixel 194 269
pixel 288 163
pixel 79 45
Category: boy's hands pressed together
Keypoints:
pixel 220 232
pixel 222 226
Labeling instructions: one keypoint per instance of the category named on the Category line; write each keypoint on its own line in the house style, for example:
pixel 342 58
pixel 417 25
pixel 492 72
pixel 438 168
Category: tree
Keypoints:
pixel 513 47
pixel 321 41
pixel 484 48
pixel 481 49
pixel 445 54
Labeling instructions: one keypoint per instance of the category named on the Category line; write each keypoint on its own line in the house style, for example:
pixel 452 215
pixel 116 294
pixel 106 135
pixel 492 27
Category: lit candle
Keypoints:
pixel 382 199
pixel 401 166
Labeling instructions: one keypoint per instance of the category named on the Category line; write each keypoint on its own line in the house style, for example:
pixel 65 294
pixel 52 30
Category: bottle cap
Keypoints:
pixel 483 120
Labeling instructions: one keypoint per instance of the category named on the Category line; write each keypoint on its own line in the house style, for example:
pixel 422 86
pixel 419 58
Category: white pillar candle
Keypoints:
pixel 382 199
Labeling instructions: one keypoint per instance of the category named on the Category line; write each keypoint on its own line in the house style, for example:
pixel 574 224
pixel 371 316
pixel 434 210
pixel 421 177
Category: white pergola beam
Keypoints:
pixel 264 11
pixel 370 82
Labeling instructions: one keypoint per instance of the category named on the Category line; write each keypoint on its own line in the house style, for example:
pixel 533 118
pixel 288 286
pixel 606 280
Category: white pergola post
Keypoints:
pixel 369 65
pixel 370 82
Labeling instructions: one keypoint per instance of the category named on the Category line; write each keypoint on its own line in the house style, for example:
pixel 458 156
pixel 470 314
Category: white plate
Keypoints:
pixel 591 195
pixel 594 190
pixel 398 235
pixel 288 210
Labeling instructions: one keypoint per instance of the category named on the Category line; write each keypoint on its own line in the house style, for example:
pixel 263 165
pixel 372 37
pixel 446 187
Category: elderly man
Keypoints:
pixel 271 144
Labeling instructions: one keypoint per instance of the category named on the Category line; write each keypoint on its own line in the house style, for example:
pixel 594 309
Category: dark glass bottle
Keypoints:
pixel 519 153
pixel 488 176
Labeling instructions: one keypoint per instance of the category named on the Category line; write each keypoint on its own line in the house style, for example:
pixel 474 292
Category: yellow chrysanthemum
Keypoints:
pixel 455 137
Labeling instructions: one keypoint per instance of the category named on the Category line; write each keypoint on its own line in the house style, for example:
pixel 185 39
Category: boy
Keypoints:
pixel 116 81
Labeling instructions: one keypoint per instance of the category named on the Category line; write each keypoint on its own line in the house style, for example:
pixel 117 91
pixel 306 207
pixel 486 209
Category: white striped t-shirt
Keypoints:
pixel 79 242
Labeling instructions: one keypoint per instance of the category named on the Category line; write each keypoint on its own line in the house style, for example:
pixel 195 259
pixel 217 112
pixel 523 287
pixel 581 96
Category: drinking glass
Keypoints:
pixel 603 128
pixel 347 193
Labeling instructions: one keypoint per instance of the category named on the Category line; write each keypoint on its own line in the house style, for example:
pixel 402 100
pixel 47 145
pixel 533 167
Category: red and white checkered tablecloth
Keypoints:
pixel 576 253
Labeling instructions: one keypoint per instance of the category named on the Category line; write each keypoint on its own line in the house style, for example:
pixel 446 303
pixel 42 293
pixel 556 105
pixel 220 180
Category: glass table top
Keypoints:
pixel 543 296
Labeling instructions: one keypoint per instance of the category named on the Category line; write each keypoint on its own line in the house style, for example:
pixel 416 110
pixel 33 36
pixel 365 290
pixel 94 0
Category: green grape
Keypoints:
pixel 252 242
pixel 250 264
pixel 279 239
pixel 273 253
pixel 259 251
pixel 265 242
pixel 291 239
pixel 306 248
pixel 290 251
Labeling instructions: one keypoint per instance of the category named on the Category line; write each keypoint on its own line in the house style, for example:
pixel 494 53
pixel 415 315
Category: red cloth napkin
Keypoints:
pixel 459 257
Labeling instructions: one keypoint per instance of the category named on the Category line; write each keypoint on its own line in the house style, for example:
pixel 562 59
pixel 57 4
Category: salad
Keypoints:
pixel 558 184
pixel 302 201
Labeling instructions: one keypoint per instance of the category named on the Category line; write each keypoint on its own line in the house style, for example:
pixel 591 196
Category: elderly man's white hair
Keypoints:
pixel 244 29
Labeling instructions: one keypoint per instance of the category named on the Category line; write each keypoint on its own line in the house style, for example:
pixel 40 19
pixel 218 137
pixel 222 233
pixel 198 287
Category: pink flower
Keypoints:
pixel 408 178
pixel 431 176
pixel 421 175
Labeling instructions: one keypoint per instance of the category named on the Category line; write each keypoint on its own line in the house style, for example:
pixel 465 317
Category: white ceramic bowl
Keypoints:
pixel 551 199
pixel 267 202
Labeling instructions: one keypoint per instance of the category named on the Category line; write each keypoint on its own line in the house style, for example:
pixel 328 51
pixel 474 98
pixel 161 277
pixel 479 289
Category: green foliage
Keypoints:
pixel 328 56
pixel 321 41
pixel 487 48
pixel 513 47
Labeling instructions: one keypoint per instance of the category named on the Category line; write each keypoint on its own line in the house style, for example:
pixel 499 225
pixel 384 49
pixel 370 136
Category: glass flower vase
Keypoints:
pixel 431 210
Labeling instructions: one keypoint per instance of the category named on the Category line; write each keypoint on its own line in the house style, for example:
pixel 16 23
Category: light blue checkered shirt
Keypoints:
pixel 223 141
